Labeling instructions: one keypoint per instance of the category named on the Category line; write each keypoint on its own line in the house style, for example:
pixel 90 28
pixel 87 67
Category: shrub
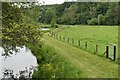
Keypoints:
pixel 101 19
pixel 54 24
pixel 93 21
pixel 52 65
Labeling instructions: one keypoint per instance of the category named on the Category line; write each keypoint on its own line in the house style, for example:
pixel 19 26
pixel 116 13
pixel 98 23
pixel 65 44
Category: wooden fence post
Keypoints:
pixel 68 39
pixel 63 38
pixel 60 37
pixel 86 45
pixel 54 35
pixel 57 36
pixel 96 48
pixel 73 41
pixel 114 57
pixel 79 43
pixel 107 51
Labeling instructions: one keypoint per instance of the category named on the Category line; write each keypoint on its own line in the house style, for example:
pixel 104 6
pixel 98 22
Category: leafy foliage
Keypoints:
pixel 54 24
pixel 49 16
pixel 81 13
pixel 15 31
pixel 93 21
pixel 100 19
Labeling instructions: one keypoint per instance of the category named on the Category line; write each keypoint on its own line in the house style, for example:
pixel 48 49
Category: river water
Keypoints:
pixel 18 61
pixel 44 29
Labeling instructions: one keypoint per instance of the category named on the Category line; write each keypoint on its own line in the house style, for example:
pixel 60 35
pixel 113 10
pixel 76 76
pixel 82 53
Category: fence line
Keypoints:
pixel 86 45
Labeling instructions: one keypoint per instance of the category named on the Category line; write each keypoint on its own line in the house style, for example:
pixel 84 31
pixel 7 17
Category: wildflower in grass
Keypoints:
pixel 53 76
pixel 44 65
pixel 49 67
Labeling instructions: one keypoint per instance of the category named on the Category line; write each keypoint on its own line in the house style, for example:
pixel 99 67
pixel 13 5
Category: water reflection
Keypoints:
pixel 18 63
pixel 44 29
pixel 0 63
pixel 26 73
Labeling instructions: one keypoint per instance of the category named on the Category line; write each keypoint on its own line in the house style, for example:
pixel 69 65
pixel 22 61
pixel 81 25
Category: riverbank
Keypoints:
pixel 52 65
pixel 61 60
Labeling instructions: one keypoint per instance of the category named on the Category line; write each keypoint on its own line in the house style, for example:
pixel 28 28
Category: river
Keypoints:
pixel 44 29
pixel 18 61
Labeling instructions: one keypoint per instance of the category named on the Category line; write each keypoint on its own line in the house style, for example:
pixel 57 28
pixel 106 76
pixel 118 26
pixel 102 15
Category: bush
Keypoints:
pixel 101 19
pixel 52 65
pixel 54 24
pixel 93 21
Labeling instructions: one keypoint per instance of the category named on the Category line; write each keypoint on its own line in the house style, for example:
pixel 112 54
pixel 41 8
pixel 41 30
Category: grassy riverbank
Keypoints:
pixel 53 65
pixel 60 60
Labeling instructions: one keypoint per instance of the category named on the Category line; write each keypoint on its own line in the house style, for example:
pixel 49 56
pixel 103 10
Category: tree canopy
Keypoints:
pixel 15 31
pixel 83 13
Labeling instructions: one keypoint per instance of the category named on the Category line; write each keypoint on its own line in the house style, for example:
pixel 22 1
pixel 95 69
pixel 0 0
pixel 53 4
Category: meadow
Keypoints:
pixel 59 59
pixel 62 48
pixel 101 36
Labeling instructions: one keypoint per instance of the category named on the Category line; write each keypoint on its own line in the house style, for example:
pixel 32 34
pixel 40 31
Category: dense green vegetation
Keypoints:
pixel 21 27
pixel 53 65
pixel 58 52
pixel 90 65
pixel 18 29
pixel 80 13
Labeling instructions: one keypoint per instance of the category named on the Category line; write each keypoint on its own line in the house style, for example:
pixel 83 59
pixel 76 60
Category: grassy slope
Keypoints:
pixel 93 66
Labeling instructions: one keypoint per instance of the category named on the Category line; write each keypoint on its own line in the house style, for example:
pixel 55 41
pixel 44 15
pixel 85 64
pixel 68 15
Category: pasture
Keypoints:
pixel 100 36
pixel 88 65
pixel 68 61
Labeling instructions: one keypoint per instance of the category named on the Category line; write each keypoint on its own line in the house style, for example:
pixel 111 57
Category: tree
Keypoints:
pixel 93 21
pixel 49 15
pixel 54 24
pixel 42 15
pixel 80 13
pixel 100 19
pixel 69 16
pixel 111 17
pixel 82 18
pixel 101 8
pixel 16 33
pixel 60 8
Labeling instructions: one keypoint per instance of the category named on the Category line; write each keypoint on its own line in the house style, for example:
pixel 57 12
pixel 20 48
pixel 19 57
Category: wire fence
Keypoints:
pixel 108 51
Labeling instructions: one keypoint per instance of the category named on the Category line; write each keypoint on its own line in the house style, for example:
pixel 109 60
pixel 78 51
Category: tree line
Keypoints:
pixel 71 13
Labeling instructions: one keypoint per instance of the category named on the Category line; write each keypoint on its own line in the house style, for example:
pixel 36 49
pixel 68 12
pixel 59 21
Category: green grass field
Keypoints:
pixel 70 61
pixel 88 65
pixel 53 65
pixel 93 35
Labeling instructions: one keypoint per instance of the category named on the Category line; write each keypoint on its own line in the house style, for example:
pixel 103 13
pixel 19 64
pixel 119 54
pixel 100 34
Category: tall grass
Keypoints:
pixel 52 65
